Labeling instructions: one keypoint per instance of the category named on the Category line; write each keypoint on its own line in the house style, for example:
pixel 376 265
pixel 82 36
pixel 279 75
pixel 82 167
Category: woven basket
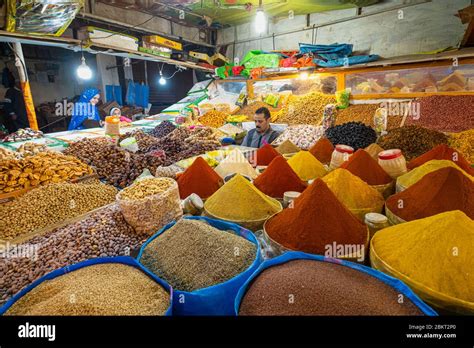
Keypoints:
pixel 386 190
pixel 252 225
pixel 280 249
pixel 399 187
pixel 441 302
pixel 360 213
pixel 392 218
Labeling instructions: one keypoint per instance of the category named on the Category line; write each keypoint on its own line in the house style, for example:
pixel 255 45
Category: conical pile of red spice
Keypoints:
pixel 200 179
pixel 266 154
pixel 365 167
pixel 443 190
pixel 442 152
pixel 316 220
pixel 322 150
pixel 279 178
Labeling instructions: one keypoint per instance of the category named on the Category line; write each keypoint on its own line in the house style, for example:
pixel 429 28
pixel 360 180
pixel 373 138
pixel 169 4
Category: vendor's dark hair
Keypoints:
pixel 263 110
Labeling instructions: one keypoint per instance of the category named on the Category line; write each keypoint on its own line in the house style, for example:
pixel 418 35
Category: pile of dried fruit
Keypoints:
pixel 146 142
pixel 41 169
pixel 163 129
pixel 412 140
pixel 101 234
pixel 184 143
pixel 50 204
pixel 23 134
pixel 307 109
pixel 213 119
pixel 116 165
pixel 355 134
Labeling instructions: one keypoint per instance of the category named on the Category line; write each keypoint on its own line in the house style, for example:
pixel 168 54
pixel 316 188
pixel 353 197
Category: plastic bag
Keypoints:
pixel 149 214
pixel 263 61
pixel 124 260
pixel 342 98
pixel 296 255
pixel 224 71
pixel 130 144
pixel 41 17
pixel 168 172
pixel 217 299
pixel 146 174
pixel 272 100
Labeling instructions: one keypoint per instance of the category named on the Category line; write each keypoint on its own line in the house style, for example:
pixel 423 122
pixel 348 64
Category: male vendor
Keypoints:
pixel 262 133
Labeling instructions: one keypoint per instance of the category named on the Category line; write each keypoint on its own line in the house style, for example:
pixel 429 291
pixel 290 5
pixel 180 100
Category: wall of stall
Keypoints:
pixel 379 29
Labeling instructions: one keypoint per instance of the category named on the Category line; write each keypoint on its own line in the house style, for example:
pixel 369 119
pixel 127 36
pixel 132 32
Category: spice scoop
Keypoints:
pixel 193 205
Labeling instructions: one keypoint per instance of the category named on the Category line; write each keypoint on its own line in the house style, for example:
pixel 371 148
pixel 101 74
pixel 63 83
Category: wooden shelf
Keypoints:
pixel 74 44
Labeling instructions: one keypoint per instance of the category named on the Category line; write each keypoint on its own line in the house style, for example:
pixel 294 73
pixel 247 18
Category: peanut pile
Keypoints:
pixel 101 234
pixel 146 187
pixel 41 169
pixel 307 109
pixel 50 204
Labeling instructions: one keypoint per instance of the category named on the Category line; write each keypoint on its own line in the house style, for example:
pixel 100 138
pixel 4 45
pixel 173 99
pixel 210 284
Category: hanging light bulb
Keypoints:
pixel 260 20
pixel 304 75
pixel 83 71
pixel 162 80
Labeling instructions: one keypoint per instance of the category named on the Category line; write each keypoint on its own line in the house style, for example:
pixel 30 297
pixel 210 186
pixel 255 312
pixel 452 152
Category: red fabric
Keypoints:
pixel 236 70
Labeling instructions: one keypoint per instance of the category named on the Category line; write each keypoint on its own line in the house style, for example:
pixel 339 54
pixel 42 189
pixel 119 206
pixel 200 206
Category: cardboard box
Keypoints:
pixel 154 52
pixel 107 37
pixel 201 56
pixel 162 41
pixel 219 60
